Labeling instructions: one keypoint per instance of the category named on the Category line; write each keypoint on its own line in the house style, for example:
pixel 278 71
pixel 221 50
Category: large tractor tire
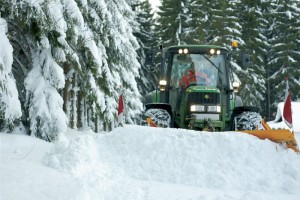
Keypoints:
pixel 158 114
pixel 245 118
pixel 248 121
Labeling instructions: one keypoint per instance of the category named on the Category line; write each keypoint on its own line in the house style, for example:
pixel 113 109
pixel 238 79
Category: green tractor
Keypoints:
pixel 203 102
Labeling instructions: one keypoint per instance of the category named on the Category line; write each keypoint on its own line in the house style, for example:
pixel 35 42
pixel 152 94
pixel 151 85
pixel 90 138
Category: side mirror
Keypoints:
pixel 245 60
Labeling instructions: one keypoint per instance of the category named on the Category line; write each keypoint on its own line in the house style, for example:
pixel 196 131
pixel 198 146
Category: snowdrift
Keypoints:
pixel 135 162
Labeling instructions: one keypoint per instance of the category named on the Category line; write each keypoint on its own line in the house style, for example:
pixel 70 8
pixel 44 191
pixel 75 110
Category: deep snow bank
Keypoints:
pixel 142 163
pixel 223 161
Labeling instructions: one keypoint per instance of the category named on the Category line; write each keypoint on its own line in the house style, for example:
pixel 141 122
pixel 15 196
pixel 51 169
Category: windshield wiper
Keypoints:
pixel 213 64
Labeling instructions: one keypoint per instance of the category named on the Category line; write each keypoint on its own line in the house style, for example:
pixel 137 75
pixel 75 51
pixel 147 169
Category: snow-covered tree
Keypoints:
pixel 35 25
pixel 172 17
pixel 125 44
pixel 108 54
pixel 284 54
pixel 196 23
pixel 145 34
pixel 253 78
pixel 89 49
pixel 47 119
pixel 10 108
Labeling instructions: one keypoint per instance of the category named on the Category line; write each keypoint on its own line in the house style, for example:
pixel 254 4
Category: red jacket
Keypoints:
pixel 193 77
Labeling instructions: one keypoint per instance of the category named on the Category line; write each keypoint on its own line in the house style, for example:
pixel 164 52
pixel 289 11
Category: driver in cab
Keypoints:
pixel 193 77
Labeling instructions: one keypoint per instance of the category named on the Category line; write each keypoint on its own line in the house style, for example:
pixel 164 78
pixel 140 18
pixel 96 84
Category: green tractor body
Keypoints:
pixel 202 104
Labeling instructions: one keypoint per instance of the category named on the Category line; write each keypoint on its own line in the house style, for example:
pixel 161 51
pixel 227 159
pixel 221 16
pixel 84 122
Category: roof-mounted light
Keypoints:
pixel 185 51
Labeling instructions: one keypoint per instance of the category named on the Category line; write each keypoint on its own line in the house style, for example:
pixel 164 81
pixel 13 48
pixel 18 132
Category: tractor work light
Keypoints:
pixel 163 82
pixel 235 86
pixel 181 51
pixel 197 108
pixel 215 51
pixel 215 109
pixel 162 85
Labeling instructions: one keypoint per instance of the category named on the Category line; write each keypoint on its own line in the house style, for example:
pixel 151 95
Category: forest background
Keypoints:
pixel 64 63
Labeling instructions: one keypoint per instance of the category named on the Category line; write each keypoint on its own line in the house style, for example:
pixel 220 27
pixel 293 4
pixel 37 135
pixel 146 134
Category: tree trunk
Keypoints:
pixel 80 109
pixel 66 89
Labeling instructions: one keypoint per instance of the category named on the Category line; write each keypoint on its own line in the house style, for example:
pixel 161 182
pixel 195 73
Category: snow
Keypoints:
pixel 136 162
pixel 155 4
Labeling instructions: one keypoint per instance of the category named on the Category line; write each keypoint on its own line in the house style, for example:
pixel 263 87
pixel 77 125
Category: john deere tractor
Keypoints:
pixel 206 102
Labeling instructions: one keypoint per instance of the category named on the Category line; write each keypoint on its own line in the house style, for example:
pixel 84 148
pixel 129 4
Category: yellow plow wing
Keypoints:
pixel 282 136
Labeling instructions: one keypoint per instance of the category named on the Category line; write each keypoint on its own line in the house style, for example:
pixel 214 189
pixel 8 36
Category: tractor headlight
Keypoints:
pixel 162 85
pixel 197 108
pixel 216 109
pixel 163 82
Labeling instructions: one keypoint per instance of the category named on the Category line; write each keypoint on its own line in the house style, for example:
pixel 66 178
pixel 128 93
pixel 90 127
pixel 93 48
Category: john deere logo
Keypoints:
pixel 206 96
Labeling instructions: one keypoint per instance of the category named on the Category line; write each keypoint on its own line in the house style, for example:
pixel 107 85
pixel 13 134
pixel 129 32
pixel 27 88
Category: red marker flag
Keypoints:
pixel 121 110
pixel 287 109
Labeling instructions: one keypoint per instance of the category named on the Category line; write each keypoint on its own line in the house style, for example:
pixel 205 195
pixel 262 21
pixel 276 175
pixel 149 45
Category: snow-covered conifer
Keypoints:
pixel 47 119
pixel 10 108
pixel 284 54
pixel 171 19
pixel 147 81
pixel 253 84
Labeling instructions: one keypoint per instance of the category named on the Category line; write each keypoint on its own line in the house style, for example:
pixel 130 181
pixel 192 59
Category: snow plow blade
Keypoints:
pixel 248 120
pixel 281 136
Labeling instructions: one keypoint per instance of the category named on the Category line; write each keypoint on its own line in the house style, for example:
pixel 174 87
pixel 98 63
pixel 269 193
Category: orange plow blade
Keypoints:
pixel 283 136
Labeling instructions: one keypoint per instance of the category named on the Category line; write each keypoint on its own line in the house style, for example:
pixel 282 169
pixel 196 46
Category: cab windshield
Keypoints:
pixel 196 69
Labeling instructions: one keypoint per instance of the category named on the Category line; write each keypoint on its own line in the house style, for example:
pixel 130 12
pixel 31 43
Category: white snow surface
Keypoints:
pixel 140 163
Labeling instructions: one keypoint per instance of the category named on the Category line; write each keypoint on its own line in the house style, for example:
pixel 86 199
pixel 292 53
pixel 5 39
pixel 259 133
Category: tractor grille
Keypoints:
pixel 204 98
